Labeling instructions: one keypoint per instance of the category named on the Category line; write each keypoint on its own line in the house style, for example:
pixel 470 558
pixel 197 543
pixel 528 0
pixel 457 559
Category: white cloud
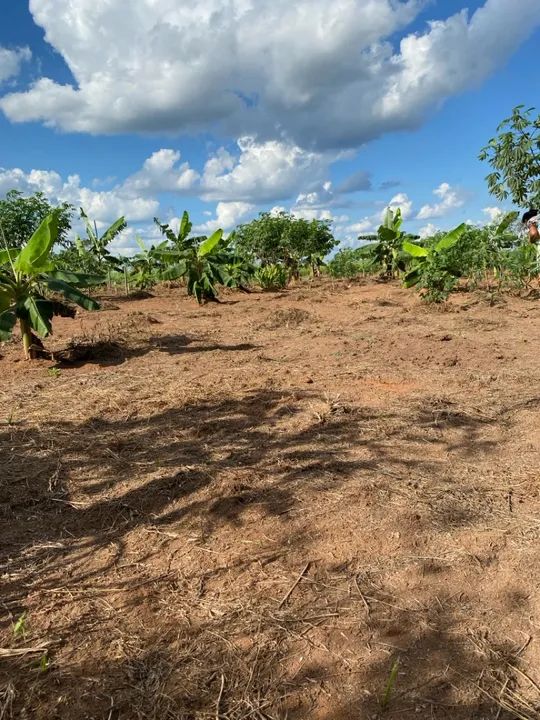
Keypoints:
pixel 402 202
pixel 450 199
pixel 321 72
pixel 262 172
pixel 493 213
pixel 227 217
pixel 428 230
pixel 103 206
pixel 11 61
pixel 162 173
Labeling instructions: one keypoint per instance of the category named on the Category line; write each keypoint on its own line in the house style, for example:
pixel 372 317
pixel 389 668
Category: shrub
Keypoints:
pixel 272 277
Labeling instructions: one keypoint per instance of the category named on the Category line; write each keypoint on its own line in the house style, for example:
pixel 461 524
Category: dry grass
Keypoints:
pixel 208 519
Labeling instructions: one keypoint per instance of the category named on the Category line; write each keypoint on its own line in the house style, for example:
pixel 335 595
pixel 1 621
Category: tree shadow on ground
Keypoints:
pixel 97 520
pixel 110 351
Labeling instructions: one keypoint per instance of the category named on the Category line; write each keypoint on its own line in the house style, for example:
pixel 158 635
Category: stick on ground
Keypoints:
pixel 291 590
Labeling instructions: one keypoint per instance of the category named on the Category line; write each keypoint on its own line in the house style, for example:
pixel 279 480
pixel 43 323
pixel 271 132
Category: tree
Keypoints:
pixel 282 238
pixel 26 276
pixel 202 260
pixel 430 270
pixel 514 155
pixel 97 244
pixel 21 216
pixel 178 239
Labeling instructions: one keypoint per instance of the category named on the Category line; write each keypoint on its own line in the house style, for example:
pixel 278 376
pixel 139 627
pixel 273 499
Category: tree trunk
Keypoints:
pixel 26 334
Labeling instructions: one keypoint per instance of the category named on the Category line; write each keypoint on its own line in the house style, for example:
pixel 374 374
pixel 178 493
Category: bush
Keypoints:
pixel 272 277
pixel 348 263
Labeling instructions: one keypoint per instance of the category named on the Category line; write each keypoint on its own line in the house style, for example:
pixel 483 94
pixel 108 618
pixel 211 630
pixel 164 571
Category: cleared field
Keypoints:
pixel 254 509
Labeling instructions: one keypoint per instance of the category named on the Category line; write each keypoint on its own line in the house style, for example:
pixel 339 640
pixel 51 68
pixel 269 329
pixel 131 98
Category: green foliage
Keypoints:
pixel 19 627
pixel 432 269
pixel 77 258
pixel 21 216
pixel 272 277
pixel 514 155
pixel 387 250
pixel 519 267
pixel 350 262
pixel 390 239
pixel 282 238
pixel 147 265
pixel 201 261
pixel 178 240
pixel 97 244
pixel 27 278
pixel 481 252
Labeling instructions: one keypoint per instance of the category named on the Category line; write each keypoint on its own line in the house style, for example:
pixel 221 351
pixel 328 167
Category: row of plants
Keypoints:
pixel 45 275
pixel 493 256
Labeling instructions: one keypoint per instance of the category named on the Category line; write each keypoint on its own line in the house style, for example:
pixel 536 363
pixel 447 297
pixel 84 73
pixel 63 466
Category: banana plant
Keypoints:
pixel 147 265
pixel 203 262
pixel 97 244
pixel 27 275
pixel 181 238
pixel 387 249
pixel 431 269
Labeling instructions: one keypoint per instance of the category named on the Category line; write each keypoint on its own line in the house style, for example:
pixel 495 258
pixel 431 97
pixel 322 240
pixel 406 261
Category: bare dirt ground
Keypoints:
pixel 254 509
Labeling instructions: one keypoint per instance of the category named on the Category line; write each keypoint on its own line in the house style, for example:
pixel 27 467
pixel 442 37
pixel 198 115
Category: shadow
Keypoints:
pixel 111 352
pixel 157 558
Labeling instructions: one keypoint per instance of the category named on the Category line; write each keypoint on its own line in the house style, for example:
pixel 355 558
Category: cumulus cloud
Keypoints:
pixel 263 171
pixel 103 206
pixel 402 202
pixel 11 62
pixel 450 199
pixel 428 230
pixel 493 213
pixel 228 214
pixel 162 172
pixel 243 65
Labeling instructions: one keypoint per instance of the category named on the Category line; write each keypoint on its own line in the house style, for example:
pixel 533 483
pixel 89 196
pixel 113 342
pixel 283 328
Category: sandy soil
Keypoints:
pixel 258 509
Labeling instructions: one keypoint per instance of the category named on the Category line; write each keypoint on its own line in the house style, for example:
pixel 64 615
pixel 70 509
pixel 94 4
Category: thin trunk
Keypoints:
pixel 26 334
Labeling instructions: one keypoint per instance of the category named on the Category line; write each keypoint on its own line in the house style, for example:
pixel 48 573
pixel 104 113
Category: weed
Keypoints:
pixel 19 628
pixel 389 689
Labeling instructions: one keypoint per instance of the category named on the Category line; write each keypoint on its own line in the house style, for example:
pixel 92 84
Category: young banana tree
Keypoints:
pixel 387 249
pixel 203 261
pixel 180 239
pixel 27 275
pixel 97 244
pixel 431 269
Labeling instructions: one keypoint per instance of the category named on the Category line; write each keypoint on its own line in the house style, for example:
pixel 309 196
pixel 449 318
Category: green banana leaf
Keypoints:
pixel 505 223
pixel 8 255
pixel 39 313
pixel 451 238
pixel 34 257
pixel 71 293
pixel 416 251
pixel 210 243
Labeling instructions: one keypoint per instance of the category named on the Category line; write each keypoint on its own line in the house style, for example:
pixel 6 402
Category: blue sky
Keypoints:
pixel 329 108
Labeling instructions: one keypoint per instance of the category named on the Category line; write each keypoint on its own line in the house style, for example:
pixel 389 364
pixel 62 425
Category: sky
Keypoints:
pixel 330 109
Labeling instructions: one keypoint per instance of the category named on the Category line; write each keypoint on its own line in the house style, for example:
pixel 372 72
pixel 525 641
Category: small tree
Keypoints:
pixel 282 238
pixel 21 216
pixel 27 277
pixel 202 261
pixel 514 155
